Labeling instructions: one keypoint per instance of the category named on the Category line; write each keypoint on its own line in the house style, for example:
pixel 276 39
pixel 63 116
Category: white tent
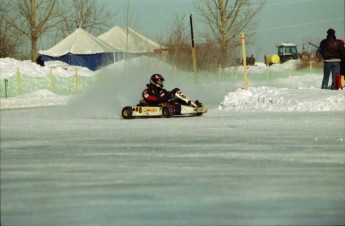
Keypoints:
pixel 79 42
pixel 83 49
pixel 129 41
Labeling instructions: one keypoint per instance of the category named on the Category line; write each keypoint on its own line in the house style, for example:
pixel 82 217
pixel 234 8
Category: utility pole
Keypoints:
pixel 193 47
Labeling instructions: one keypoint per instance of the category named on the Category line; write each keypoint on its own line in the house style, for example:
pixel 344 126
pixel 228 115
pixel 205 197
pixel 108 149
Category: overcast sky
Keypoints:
pixel 296 21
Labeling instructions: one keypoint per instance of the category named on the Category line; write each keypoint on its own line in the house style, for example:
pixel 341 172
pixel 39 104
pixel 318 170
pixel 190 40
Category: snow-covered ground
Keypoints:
pixel 272 155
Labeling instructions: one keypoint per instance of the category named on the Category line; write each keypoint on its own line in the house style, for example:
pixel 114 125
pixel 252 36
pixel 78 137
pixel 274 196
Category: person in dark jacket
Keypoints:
pixel 332 52
pixel 154 94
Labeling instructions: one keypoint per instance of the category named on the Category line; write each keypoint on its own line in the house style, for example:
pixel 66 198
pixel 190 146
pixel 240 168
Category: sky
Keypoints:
pixel 297 21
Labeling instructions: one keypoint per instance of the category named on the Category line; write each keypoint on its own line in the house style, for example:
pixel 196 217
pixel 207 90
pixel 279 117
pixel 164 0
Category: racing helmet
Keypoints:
pixel 157 80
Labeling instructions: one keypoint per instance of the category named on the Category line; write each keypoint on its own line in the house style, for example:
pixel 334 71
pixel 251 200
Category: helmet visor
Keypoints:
pixel 160 82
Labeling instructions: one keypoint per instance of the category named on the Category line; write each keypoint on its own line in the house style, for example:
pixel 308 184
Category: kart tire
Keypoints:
pixel 167 112
pixel 127 112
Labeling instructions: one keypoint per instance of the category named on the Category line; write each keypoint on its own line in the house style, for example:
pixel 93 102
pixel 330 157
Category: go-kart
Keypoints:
pixel 178 105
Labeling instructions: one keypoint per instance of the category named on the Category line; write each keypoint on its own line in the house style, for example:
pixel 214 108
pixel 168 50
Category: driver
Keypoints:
pixel 154 94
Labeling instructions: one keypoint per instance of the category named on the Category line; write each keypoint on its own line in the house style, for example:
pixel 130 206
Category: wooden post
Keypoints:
pixel 6 88
pixel 175 71
pixel 244 62
pixel 51 80
pixel 19 85
pixel 219 69
pixel 76 81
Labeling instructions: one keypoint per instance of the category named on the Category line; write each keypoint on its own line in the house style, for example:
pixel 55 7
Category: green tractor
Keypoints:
pixel 286 51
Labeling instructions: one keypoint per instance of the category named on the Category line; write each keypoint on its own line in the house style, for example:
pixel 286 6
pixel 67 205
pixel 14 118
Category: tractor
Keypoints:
pixel 286 51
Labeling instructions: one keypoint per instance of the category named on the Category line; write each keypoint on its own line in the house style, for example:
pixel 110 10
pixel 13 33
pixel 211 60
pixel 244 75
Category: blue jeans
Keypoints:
pixel 329 67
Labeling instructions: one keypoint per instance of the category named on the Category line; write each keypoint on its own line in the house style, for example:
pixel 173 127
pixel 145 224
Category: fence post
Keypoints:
pixel 244 62
pixel 219 69
pixel 267 72
pixel 76 81
pixel 175 71
pixel 6 86
pixel 311 66
pixel 19 86
pixel 51 80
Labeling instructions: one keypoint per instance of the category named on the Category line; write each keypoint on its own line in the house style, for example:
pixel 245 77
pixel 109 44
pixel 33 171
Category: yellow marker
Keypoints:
pixel 244 62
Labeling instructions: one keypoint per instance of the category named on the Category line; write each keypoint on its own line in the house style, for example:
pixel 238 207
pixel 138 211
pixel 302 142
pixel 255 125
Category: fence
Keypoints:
pixel 78 85
pixel 61 85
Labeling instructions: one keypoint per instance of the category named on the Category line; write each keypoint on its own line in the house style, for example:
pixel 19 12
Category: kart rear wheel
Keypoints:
pixel 167 112
pixel 127 112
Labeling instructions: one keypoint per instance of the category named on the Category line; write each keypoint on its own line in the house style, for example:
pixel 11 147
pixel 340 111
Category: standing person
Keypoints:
pixel 332 52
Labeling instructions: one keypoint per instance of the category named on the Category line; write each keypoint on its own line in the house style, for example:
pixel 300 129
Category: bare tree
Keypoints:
pixel 89 15
pixel 226 19
pixel 178 42
pixel 178 31
pixel 32 19
pixel 9 37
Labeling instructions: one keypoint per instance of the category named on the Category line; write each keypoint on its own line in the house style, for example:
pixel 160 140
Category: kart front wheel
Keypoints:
pixel 167 112
pixel 127 113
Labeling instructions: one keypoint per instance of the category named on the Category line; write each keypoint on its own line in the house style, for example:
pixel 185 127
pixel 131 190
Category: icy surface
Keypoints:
pixel 237 168
pixel 272 155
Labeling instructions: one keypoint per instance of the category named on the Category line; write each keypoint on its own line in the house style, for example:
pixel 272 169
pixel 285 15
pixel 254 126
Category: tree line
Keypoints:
pixel 31 21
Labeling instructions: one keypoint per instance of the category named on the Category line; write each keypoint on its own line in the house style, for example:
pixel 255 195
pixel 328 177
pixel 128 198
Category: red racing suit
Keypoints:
pixel 154 95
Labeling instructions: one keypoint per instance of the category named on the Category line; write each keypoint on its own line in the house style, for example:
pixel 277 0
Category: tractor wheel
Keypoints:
pixel 127 112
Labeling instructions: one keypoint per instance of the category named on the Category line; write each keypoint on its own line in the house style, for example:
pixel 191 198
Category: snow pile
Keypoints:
pixel 123 82
pixel 40 98
pixel 9 67
pixel 288 65
pixel 274 99
pixel 260 68
pixel 306 81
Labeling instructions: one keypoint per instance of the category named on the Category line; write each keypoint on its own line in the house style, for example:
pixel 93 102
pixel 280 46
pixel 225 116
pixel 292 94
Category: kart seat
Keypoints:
pixel 142 102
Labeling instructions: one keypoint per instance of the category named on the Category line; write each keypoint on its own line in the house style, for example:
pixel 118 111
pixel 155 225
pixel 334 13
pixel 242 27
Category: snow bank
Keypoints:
pixel 40 98
pixel 10 66
pixel 288 65
pixel 274 99
pixel 260 67
pixel 278 94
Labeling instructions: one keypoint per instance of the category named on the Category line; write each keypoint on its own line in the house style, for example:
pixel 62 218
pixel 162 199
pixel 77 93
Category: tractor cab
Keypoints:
pixel 287 51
